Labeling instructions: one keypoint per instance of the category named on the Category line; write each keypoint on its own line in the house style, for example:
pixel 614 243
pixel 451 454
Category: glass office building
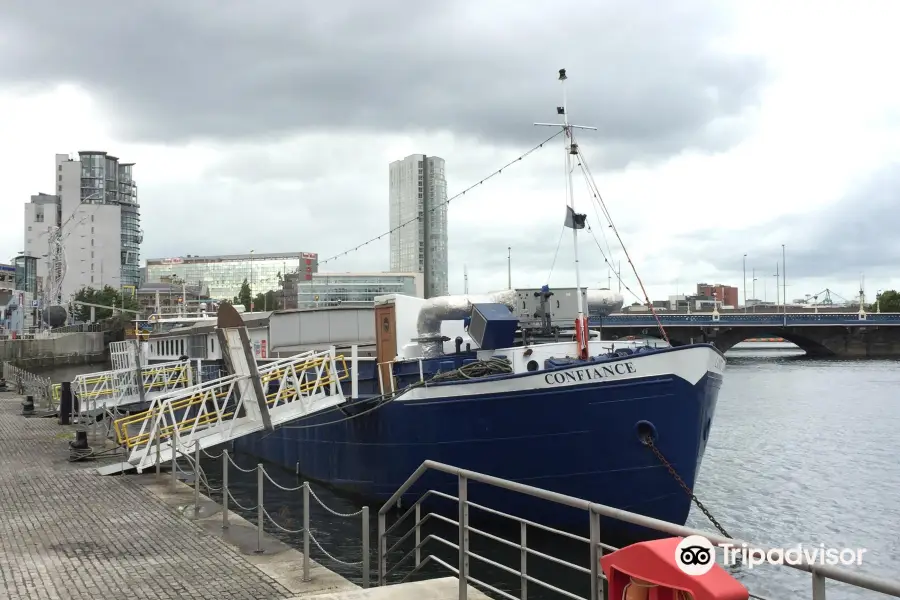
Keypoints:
pixel 104 180
pixel 223 275
pixel 334 289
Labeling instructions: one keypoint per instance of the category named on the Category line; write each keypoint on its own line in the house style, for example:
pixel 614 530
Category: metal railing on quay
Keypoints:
pixel 819 573
pixel 200 479
pixel 29 384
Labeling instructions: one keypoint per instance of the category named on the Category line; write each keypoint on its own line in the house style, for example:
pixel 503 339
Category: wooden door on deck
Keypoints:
pixel 385 342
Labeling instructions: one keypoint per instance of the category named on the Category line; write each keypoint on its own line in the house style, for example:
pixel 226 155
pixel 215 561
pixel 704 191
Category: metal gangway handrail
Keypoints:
pixel 28 383
pixel 820 573
pixel 219 410
pixel 114 387
pixel 194 455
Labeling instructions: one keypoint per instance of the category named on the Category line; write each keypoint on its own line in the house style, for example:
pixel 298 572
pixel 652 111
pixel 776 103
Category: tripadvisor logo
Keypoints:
pixel 696 555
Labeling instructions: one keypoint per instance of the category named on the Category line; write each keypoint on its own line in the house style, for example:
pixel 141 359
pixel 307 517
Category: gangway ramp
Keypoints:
pixel 114 388
pixel 119 385
pixel 232 406
pixel 224 409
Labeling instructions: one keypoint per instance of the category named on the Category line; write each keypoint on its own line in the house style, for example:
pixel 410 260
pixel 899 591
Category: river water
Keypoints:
pixel 802 451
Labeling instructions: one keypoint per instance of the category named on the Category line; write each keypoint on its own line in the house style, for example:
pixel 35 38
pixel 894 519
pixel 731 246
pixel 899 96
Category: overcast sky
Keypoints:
pixel 724 129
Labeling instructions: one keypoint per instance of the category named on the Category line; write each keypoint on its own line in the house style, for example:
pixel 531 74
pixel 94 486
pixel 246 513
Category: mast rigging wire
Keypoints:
pixel 556 254
pixel 603 254
pixel 446 202
pixel 599 199
pixel 609 252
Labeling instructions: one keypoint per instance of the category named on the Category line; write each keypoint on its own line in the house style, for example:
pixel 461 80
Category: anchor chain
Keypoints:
pixel 648 441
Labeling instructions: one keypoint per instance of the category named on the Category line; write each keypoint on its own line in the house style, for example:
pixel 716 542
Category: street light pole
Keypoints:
pixel 753 286
pixel 784 278
pixel 250 282
pixel 509 267
pixel 745 283
pixel 777 287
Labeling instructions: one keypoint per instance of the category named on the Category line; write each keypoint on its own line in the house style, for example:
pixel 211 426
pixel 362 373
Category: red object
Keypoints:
pixel 581 336
pixel 262 348
pixel 654 562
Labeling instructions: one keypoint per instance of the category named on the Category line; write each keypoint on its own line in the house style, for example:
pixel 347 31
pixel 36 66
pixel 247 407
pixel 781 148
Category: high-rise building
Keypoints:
pixel 95 216
pixel 418 188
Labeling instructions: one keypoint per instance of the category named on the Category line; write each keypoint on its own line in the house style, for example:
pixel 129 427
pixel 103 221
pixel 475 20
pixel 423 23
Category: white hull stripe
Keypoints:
pixel 690 364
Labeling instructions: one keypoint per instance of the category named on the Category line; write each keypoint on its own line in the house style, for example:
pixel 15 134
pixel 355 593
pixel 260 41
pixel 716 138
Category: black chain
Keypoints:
pixel 649 442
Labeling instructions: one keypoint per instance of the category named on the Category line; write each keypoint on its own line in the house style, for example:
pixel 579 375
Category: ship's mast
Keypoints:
pixel 571 148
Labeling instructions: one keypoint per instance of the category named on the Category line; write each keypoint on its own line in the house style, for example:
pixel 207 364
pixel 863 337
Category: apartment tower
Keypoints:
pixel 96 213
pixel 418 196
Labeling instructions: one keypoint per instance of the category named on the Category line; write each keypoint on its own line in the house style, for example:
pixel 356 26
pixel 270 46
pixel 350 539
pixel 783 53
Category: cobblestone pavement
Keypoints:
pixel 68 533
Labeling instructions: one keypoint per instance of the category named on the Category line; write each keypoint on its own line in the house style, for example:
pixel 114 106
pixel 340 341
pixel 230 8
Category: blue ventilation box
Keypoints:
pixel 493 326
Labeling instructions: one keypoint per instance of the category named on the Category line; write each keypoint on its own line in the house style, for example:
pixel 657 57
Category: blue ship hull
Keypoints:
pixel 580 440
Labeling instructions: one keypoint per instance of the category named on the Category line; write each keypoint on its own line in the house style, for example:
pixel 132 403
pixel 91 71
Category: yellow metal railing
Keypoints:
pixel 149 386
pixel 121 425
pixel 56 388
pixel 287 395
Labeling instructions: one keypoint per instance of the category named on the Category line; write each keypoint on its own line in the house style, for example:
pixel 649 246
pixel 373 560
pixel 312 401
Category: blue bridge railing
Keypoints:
pixel 748 320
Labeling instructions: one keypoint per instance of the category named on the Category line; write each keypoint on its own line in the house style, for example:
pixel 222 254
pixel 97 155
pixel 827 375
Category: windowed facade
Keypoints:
pixel 223 275
pixel 26 274
pixel 418 190
pixel 96 206
pixel 7 277
pixel 338 289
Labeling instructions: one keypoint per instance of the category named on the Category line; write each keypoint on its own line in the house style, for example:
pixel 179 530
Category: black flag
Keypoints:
pixel 573 219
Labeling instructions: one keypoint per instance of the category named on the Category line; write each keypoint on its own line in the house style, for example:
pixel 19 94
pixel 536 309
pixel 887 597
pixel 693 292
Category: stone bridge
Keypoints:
pixel 819 334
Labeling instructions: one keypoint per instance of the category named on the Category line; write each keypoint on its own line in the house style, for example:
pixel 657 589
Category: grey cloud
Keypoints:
pixel 169 70
pixel 856 235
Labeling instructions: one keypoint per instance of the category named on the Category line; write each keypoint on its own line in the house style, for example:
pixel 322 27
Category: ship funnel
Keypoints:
pixel 451 308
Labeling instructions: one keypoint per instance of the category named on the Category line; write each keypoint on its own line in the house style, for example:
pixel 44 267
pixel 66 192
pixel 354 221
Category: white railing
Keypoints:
pixel 524 570
pixel 226 408
pixel 123 355
pixel 120 386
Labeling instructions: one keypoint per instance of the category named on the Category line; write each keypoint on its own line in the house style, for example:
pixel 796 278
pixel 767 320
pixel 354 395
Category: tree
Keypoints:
pixel 243 296
pixel 887 301
pixel 108 296
pixel 271 300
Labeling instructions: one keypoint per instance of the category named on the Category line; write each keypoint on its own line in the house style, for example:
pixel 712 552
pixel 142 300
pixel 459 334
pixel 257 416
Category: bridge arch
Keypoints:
pixel 725 339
